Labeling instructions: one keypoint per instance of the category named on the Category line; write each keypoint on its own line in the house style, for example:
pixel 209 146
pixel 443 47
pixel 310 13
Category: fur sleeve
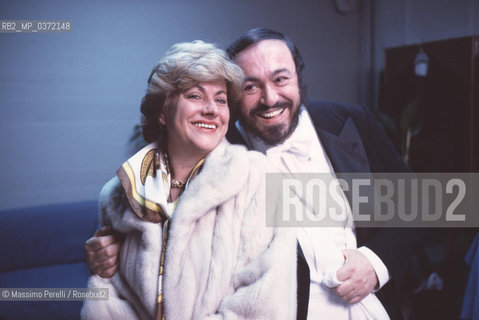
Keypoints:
pixel 115 307
pixel 112 201
pixel 122 302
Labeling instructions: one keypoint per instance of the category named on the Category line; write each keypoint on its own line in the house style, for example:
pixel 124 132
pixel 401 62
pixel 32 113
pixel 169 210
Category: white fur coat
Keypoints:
pixel 222 262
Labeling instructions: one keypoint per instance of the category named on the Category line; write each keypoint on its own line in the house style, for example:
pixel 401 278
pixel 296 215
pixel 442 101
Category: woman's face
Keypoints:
pixel 197 120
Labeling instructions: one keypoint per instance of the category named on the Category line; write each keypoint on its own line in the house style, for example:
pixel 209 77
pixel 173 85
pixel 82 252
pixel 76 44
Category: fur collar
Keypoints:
pixel 221 178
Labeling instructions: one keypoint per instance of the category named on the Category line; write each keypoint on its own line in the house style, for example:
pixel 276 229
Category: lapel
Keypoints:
pixel 345 150
pixel 340 139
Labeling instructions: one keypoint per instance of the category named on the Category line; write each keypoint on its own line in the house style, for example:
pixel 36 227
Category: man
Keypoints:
pixel 315 137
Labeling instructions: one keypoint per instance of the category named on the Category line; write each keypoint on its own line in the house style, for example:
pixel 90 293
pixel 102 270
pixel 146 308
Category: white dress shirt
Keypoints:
pixel 322 247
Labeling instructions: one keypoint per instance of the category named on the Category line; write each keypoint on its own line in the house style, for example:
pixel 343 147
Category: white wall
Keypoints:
pixel 68 102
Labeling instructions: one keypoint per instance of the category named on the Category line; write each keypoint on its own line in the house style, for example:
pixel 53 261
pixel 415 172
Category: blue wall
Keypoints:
pixel 69 101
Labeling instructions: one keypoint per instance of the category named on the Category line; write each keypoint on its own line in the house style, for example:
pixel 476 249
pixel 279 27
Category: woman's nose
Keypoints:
pixel 210 107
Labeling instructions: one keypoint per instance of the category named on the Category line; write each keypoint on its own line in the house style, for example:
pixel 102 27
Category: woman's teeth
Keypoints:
pixel 204 125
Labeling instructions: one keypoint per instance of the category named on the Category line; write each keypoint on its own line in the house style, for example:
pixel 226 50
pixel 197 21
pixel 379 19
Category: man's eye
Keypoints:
pixel 250 87
pixel 280 80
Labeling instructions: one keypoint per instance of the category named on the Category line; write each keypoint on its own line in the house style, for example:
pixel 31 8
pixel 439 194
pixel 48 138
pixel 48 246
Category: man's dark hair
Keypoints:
pixel 256 35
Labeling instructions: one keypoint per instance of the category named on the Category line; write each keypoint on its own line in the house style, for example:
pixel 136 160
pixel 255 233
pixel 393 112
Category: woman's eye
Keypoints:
pixel 221 100
pixel 193 96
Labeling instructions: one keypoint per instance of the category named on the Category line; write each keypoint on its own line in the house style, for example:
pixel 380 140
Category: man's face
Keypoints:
pixel 269 107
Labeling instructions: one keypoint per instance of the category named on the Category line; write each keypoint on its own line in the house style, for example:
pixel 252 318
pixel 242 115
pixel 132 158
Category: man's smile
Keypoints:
pixel 271 114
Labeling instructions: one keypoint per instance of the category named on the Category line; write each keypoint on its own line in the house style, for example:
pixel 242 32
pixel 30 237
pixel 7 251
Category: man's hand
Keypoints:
pixel 102 252
pixel 358 277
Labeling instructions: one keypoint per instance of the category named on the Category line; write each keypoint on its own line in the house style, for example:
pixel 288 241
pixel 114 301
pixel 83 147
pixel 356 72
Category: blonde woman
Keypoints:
pixel 192 207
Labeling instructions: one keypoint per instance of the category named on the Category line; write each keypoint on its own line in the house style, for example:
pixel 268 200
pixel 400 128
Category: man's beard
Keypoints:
pixel 273 134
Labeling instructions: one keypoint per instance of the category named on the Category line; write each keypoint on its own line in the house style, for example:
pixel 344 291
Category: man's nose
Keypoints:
pixel 269 96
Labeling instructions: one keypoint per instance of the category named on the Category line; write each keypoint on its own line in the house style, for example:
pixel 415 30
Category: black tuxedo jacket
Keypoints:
pixel 355 142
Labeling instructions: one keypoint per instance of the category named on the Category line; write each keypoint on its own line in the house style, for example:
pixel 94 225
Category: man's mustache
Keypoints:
pixel 260 107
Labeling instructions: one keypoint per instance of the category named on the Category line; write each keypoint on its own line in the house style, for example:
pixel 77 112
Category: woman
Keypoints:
pixel 192 207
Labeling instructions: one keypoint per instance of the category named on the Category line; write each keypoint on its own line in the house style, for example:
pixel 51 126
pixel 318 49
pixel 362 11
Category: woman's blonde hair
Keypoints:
pixel 184 66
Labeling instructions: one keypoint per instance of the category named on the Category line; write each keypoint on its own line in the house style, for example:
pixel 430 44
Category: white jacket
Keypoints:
pixel 222 262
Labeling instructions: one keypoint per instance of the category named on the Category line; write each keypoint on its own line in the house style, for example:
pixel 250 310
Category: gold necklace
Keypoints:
pixel 175 184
